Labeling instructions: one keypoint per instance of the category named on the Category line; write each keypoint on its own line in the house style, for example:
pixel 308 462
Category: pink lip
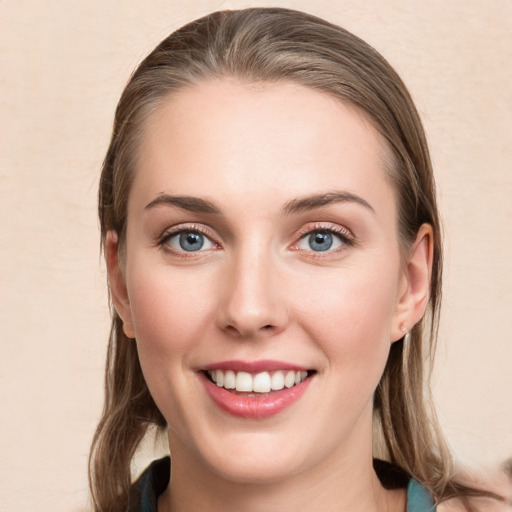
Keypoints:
pixel 253 366
pixel 254 407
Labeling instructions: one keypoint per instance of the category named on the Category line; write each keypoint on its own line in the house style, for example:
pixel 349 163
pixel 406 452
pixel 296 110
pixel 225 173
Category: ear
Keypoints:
pixel 414 289
pixel 117 283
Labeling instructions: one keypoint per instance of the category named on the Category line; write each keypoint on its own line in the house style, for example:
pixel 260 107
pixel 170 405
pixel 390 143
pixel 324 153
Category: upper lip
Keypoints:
pixel 253 366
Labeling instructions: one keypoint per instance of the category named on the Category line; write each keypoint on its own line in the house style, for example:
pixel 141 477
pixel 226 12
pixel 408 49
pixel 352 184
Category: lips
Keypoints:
pixel 255 390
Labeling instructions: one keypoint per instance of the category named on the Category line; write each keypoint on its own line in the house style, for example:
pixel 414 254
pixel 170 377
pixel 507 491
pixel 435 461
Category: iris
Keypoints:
pixel 320 241
pixel 190 241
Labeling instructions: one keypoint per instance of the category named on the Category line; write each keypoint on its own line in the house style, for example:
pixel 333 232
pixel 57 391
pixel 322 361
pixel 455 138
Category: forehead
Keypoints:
pixel 232 138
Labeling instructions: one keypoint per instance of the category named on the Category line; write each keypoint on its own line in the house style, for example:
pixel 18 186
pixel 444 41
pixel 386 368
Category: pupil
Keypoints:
pixel 191 241
pixel 320 241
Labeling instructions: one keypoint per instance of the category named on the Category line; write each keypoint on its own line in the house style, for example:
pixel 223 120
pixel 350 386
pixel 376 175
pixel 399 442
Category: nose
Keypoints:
pixel 252 300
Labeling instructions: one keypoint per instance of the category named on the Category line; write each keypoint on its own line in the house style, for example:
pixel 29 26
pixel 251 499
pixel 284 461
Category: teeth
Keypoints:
pixel 289 380
pixel 300 376
pixel 243 381
pixel 263 382
pixel 277 381
pixel 229 379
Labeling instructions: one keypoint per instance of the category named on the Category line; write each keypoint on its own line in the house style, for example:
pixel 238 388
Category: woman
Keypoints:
pixel 270 227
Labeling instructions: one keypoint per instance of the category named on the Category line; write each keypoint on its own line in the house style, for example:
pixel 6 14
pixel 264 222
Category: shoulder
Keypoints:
pixel 490 481
pixel 480 505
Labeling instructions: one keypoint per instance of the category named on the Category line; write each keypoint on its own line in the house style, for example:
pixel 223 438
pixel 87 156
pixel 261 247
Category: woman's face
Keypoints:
pixel 261 250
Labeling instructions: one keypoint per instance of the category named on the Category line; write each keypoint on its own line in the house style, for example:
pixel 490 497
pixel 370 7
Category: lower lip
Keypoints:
pixel 255 407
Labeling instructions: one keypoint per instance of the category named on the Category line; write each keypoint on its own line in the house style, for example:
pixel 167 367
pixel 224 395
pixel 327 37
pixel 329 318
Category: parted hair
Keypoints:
pixel 280 45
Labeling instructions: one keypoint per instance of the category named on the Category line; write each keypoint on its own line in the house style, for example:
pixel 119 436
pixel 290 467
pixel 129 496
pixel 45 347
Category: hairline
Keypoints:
pixel 387 152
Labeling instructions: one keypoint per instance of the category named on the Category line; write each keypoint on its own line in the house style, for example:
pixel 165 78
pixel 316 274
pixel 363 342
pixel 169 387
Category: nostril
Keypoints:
pixel 232 330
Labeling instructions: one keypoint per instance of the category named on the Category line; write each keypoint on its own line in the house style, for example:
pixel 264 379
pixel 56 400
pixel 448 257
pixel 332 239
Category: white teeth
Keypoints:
pixel 229 379
pixel 262 382
pixel 243 381
pixel 289 380
pixel 277 382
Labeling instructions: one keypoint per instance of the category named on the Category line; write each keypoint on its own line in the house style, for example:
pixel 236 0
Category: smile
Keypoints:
pixel 262 382
pixel 255 390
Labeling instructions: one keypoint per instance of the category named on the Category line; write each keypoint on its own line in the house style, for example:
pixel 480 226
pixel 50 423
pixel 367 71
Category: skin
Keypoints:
pixel 259 291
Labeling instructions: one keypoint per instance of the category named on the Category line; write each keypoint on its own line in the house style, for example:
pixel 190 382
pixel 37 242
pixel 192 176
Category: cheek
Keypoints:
pixel 351 317
pixel 170 310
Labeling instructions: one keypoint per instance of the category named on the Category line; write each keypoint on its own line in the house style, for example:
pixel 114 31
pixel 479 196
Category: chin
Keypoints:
pixel 252 458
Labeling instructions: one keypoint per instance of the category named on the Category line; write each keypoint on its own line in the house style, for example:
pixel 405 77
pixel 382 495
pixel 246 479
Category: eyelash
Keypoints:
pixel 344 235
pixel 163 240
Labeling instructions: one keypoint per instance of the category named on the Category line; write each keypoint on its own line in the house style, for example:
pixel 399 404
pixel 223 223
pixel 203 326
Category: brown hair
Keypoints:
pixel 274 45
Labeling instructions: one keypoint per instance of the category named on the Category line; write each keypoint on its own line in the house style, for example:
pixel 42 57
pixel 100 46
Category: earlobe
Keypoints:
pixel 117 283
pixel 414 294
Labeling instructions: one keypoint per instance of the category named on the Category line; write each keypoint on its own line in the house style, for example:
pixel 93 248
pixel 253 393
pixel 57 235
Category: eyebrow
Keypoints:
pixel 301 204
pixel 193 204
pixel 318 200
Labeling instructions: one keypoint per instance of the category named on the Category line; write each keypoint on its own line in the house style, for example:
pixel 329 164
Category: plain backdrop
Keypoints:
pixel 63 65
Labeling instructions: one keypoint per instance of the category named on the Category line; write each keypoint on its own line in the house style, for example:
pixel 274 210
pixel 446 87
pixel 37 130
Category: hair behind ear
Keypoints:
pixel 128 411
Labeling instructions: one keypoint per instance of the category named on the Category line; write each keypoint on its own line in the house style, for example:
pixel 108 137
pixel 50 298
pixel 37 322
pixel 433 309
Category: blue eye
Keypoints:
pixel 189 241
pixel 320 241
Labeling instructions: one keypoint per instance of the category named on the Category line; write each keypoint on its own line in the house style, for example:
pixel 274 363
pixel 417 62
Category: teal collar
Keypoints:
pixel 418 498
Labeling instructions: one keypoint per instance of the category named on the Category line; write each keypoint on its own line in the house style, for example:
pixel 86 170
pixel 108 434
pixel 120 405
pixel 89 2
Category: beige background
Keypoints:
pixel 63 65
